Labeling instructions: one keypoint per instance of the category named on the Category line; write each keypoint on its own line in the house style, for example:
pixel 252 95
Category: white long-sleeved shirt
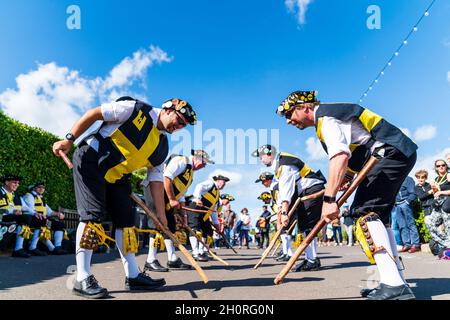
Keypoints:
pixel 338 135
pixel 175 167
pixel 200 189
pixel 114 115
pixel 30 200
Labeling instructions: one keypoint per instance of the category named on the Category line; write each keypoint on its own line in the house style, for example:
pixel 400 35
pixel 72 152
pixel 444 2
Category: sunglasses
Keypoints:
pixel 181 122
pixel 441 165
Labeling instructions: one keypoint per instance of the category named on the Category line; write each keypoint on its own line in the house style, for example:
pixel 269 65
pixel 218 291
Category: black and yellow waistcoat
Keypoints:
pixel 286 159
pixel 137 143
pixel 8 200
pixel 182 181
pixel 39 204
pixel 274 192
pixel 210 199
pixel 379 129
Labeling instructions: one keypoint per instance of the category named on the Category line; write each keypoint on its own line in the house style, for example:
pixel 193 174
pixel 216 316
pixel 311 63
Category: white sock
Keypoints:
pixel 395 252
pixel 151 250
pixel 284 243
pixel 35 239
pixel 50 245
pixel 201 247
pixel 128 260
pixel 59 235
pixel 19 240
pixel 311 251
pixel 82 256
pixel 387 268
pixel 288 245
pixel 194 245
pixel 170 250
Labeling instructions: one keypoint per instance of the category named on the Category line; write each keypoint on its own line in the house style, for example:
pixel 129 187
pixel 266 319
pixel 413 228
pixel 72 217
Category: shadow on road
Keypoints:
pixel 427 288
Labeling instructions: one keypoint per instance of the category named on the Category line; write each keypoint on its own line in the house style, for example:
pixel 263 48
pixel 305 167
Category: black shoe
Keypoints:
pixel 20 254
pixel 58 251
pixel 200 257
pixel 366 292
pixel 299 266
pixel 178 264
pixel 37 252
pixel 279 254
pixel 89 288
pixel 205 256
pixel 386 292
pixel 311 266
pixel 280 257
pixel 154 266
pixel 143 282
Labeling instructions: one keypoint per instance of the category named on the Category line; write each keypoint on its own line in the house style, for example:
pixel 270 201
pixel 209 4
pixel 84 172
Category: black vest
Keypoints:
pixel 137 143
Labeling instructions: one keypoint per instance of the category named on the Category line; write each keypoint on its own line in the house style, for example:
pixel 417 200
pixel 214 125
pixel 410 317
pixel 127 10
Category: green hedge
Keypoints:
pixel 27 151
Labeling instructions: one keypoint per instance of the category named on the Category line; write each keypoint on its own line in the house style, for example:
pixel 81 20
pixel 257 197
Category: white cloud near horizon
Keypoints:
pixel 53 97
pixel 426 132
pixel 315 149
pixel 299 8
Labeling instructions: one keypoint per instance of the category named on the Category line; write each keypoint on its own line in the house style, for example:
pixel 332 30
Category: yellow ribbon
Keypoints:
pixel 181 236
pixel 199 234
pixel 209 241
pixel 66 236
pixel 46 234
pixel 159 241
pixel 130 242
pixel 100 232
pixel 298 240
pixel 25 232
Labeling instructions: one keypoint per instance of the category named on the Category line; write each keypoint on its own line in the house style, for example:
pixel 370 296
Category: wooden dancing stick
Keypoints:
pixel 69 163
pixel 224 238
pixel 310 237
pixel 291 212
pixel 175 241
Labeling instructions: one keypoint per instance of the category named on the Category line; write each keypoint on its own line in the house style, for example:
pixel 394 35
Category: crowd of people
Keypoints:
pixel 133 135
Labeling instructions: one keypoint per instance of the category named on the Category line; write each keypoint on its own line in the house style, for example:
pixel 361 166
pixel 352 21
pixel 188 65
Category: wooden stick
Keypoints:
pixel 192 232
pixel 69 163
pixel 291 212
pixel 310 237
pixel 196 210
pixel 275 249
pixel 175 241
pixel 224 238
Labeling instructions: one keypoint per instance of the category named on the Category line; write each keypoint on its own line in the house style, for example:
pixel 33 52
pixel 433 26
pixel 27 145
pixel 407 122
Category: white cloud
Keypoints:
pixel 424 133
pixel 315 149
pixel 448 76
pixel 299 8
pixel 53 97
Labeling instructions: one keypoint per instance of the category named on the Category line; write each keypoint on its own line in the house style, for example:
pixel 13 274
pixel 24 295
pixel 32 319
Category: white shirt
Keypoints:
pixel 30 201
pixel 202 188
pixel 175 167
pixel 288 179
pixel 114 115
pixel 338 135
pixel 245 218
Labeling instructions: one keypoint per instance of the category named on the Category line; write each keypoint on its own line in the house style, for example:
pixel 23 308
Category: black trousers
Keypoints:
pixel 170 215
pixel 377 192
pixel 309 212
pixel 264 235
pixel 96 198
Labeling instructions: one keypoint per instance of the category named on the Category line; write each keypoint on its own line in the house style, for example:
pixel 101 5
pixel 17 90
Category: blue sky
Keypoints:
pixel 234 61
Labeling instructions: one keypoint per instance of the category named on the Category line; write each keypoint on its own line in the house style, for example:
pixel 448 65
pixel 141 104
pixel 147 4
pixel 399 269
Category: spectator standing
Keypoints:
pixel 264 226
pixel 424 192
pixel 405 218
pixel 348 224
pixel 337 231
pixel 229 222
pixel 245 228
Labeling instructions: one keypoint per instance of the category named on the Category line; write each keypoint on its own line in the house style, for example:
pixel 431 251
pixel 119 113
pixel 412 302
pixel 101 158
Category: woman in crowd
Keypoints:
pixel 245 228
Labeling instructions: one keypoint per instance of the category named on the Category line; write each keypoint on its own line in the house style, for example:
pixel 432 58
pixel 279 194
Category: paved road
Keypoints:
pixel 345 271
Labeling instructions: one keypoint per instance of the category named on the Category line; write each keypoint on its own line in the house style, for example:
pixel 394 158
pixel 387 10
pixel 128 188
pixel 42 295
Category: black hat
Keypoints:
pixel 10 177
pixel 296 98
pixel 265 176
pixel 265 149
pixel 220 177
pixel 227 196
pixel 202 154
pixel 36 184
pixel 183 108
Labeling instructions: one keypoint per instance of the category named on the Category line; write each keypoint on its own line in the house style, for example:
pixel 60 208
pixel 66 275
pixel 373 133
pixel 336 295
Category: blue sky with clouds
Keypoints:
pixel 234 61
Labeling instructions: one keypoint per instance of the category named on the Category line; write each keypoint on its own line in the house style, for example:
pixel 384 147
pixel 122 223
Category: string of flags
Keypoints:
pixel 396 53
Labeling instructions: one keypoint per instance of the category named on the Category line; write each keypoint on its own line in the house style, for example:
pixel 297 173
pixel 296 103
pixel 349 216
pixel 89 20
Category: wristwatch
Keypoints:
pixel 284 213
pixel 70 137
pixel 329 199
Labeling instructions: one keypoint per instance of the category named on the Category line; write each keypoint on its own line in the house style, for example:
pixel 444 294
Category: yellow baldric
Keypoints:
pixel 209 200
pixel 181 182
pixel 39 205
pixel 365 239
